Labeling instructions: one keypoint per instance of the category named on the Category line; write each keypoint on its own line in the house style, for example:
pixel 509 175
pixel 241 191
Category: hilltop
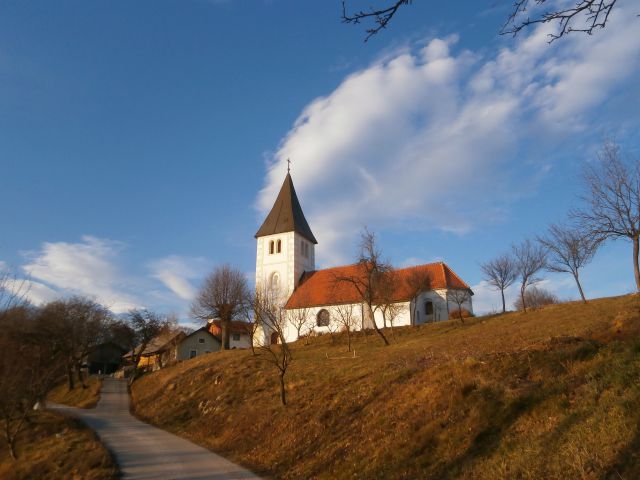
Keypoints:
pixel 552 393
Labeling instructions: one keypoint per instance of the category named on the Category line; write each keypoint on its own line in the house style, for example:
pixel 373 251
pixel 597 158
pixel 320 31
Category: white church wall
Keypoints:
pixel 312 321
pixel 402 318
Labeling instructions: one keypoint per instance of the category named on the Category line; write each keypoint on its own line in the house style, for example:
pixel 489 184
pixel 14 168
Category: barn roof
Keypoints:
pixel 325 287
pixel 286 215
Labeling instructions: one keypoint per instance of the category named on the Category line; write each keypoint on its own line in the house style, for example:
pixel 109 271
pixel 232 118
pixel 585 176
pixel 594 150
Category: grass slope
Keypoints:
pixel 55 447
pixel 78 397
pixel 547 394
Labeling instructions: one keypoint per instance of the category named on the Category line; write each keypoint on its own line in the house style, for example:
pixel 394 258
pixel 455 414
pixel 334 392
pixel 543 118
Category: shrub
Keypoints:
pixel 536 298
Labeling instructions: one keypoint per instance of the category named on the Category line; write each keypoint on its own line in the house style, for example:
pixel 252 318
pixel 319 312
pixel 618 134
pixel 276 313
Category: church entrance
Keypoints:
pixel 274 338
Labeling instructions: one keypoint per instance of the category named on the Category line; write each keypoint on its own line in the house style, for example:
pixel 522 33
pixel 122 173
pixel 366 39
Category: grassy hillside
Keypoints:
pixel 548 394
pixel 78 397
pixel 57 448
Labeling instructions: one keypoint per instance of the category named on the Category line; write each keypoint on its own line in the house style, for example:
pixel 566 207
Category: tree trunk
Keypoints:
pixel 12 449
pixel 225 325
pixel 80 375
pixel 575 275
pixel 70 379
pixel 524 305
pixel 636 268
pixel 504 305
pixel 11 439
pixel 348 339
pixel 375 327
pixel 283 395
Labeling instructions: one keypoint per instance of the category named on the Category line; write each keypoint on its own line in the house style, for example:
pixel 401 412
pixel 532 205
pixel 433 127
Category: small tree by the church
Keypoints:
pixel 459 297
pixel 224 295
pixel 370 279
pixel 418 281
pixel 347 320
pixel 386 304
pixel 300 318
pixel 270 315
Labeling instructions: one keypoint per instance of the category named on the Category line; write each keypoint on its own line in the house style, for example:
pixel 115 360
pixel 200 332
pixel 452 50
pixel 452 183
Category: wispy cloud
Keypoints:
pixel 178 273
pixel 95 267
pixel 431 139
pixel 86 267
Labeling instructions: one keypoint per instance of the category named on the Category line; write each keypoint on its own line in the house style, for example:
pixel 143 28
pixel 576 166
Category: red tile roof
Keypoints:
pixel 323 287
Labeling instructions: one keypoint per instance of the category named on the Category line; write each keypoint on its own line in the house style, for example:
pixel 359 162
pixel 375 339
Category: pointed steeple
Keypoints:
pixel 286 214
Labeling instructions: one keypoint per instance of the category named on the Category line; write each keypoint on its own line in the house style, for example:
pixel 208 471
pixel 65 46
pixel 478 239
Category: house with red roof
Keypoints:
pixel 316 301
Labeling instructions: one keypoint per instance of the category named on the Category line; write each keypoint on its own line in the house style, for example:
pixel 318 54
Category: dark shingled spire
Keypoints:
pixel 286 215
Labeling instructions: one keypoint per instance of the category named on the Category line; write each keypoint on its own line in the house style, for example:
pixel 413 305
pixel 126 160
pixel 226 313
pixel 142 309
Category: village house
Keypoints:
pixel 159 352
pixel 105 358
pixel 197 343
pixel 240 336
pixel 285 262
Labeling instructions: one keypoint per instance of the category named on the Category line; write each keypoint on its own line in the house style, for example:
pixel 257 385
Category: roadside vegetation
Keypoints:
pixel 55 447
pixel 78 397
pixel 552 393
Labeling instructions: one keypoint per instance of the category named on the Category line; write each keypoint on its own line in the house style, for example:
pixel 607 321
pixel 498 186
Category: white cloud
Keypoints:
pixel 427 139
pixel 175 273
pixel 85 268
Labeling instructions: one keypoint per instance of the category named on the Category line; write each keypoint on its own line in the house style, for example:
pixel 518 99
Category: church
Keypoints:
pixel 285 261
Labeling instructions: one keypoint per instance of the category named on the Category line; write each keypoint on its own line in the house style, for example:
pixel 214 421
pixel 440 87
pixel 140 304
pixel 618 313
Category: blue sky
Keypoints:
pixel 141 143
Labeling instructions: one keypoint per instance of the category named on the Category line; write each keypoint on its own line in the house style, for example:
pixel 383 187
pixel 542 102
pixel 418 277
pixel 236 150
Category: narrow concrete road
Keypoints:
pixel 146 452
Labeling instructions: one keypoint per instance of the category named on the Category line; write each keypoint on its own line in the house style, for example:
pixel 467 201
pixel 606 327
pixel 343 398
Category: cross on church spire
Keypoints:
pixel 288 165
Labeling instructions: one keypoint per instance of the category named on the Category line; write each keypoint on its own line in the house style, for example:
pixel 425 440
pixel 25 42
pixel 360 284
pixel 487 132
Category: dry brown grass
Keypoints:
pixel 548 394
pixel 55 447
pixel 78 397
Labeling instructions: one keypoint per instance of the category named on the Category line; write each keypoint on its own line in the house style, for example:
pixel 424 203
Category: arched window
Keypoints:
pixel 274 282
pixel 279 246
pixel 271 247
pixel 323 318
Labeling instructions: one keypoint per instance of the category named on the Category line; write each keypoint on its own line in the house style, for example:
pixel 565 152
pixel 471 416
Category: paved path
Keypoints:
pixel 146 452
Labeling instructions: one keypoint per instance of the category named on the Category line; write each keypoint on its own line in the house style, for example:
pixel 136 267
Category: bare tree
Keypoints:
pixel 13 291
pixel 386 303
pixel 29 367
pixel 459 297
pixel 529 259
pixel 584 16
pixel 146 325
pixel 580 16
pixel 612 200
pixel 224 295
pixel 74 326
pixel 568 251
pixel 299 318
pixel 418 281
pixel 501 273
pixel 369 279
pixel 268 307
pixel 390 312
pixel 346 318
pixel 536 298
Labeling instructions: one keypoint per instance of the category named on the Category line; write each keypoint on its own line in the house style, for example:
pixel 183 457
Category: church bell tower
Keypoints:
pixel 285 244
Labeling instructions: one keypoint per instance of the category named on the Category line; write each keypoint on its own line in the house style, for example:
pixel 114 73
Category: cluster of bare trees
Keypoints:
pixel 40 346
pixel 610 210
